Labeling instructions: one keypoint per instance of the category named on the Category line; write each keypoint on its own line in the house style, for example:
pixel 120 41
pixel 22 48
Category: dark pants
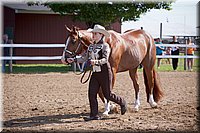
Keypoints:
pixel 102 79
pixel 4 62
pixel 175 60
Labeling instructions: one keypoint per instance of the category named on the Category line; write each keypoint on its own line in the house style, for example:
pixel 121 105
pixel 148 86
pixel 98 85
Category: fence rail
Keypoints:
pixel 11 57
pixel 33 45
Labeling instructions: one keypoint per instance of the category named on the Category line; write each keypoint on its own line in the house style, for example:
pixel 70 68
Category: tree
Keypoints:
pixel 106 13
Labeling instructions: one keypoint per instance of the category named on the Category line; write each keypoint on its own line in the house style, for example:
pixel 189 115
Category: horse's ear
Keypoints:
pixel 68 29
pixel 74 29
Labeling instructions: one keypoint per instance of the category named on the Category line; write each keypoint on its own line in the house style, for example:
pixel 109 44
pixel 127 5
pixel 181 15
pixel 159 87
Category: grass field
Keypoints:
pixel 39 68
pixel 168 67
pixel 46 68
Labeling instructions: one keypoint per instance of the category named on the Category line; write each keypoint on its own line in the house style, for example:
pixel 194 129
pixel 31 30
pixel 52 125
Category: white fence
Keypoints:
pixel 11 57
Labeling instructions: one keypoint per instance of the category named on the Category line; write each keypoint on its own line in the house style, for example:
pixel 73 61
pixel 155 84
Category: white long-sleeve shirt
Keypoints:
pixel 93 53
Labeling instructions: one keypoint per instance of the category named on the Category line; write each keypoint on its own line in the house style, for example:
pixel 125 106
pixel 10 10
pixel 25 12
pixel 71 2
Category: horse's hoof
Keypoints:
pixel 136 108
pixel 113 107
pixel 153 105
pixel 105 113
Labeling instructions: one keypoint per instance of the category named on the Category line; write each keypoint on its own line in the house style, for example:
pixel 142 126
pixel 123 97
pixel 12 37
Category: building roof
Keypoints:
pixel 24 8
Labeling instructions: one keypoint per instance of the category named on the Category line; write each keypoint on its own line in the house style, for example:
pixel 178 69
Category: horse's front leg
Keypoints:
pixel 104 100
pixel 108 105
pixel 134 78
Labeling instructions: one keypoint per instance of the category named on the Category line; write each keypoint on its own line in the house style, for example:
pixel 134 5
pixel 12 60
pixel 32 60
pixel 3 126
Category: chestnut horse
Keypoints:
pixel 128 51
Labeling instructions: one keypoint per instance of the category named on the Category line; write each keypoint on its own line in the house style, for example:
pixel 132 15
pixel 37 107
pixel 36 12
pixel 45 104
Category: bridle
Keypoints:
pixel 80 42
pixel 74 54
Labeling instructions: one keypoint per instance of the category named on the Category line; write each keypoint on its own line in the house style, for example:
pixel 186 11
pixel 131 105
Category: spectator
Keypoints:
pixel 175 51
pixel 190 51
pixel 168 52
pixel 5 52
pixel 159 50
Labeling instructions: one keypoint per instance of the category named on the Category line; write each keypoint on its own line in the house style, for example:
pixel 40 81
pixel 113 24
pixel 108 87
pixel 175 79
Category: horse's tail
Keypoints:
pixel 157 92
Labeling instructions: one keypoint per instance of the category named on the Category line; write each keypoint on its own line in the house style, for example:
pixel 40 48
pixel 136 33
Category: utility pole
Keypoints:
pixel 161 31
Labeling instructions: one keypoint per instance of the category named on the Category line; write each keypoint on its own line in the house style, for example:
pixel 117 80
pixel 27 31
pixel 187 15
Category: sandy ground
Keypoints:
pixel 58 102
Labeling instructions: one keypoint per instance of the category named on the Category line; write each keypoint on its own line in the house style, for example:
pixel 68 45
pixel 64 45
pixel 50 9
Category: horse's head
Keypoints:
pixel 75 44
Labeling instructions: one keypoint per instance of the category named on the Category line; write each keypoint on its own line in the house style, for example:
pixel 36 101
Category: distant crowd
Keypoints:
pixel 160 50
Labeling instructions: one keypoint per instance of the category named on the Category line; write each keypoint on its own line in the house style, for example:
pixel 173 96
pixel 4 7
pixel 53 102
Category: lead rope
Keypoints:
pixel 83 72
pixel 82 77
pixel 75 72
pixel 90 72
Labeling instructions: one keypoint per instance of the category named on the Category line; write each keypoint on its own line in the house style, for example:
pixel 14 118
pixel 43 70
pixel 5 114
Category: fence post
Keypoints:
pixel 161 31
pixel 74 65
pixel 10 61
pixel 185 59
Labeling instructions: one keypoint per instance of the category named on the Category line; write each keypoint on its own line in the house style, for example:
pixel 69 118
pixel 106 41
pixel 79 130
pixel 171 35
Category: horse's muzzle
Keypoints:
pixel 64 61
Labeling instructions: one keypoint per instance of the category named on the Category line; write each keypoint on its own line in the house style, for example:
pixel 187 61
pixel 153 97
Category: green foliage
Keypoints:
pixel 106 13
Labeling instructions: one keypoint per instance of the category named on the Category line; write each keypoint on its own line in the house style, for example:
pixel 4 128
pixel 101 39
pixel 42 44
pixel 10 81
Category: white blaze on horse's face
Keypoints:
pixel 63 55
pixel 67 43
pixel 70 46
pixel 74 43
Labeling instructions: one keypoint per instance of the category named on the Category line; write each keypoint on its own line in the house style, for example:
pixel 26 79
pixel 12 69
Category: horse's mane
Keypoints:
pixel 85 33
pixel 114 38
pixel 129 30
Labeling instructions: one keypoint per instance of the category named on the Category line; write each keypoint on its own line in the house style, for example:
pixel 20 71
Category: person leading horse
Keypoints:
pixel 98 54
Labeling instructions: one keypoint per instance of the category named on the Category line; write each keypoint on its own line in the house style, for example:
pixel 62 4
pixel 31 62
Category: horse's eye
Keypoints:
pixel 73 41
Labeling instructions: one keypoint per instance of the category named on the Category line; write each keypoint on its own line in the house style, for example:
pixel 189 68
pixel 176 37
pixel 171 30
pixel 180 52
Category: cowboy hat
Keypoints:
pixel 100 29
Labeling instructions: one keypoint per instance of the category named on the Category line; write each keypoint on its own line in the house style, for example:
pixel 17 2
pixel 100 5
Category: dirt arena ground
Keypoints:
pixel 56 102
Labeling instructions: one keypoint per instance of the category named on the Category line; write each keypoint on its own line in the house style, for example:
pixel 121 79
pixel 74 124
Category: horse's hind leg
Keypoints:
pixel 109 106
pixel 105 101
pixel 149 83
pixel 134 77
